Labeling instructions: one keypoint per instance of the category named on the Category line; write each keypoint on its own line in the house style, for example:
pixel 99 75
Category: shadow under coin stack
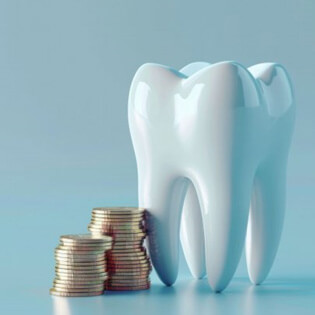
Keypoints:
pixel 128 265
pixel 81 265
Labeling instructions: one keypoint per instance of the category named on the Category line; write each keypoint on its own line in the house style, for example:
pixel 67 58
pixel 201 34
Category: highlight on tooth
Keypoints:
pixel 211 143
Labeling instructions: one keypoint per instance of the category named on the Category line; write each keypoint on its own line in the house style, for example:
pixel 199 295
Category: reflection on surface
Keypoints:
pixel 61 305
pixel 195 297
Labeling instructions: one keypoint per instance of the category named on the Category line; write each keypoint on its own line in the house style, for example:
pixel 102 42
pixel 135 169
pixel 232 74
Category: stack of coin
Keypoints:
pixel 128 264
pixel 81 265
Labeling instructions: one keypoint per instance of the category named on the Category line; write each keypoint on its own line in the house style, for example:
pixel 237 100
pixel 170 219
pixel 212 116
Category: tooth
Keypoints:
pixel 268 198
pixel 191 230
pixel 208 132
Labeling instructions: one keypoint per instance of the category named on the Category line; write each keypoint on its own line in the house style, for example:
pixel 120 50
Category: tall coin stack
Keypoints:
pixel 128 265
pixel 81 265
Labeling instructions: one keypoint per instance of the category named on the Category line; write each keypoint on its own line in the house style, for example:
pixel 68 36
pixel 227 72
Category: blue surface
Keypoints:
pixel 65 71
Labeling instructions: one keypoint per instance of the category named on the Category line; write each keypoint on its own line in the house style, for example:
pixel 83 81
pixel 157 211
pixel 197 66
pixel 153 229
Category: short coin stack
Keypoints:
pixel 128 265
pixel 81 265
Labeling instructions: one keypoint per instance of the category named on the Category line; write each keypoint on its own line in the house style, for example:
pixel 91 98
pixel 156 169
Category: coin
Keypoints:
pixel 118 210
pixel 87 249
pixel 126 237
pixel 84 238
pixel 63 253
pixel 119 237
pixel 127 255
pixel 124 223
pixel 87 269
pixel 71 260
pixel 79 290
pixel 128 277
pixel 120 229
pixel 118 218
pixel 115 231
pixel 124 264
pixel 78 282
pixel 126 284
pixel 126 246
pixel 75 294
pixel 81 278
pixel 122 271
pixel 126 288
pixel 62 250
pixel 82 264
pixel 79 271
pixel 81 286
pixel 127 260
pixel 127 274
pixel 133 280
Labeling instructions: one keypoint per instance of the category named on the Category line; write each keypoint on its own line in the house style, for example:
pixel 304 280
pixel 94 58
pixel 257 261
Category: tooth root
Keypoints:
pixel 191 234
pixel 265 220
pixel 162 195
pixel 225 199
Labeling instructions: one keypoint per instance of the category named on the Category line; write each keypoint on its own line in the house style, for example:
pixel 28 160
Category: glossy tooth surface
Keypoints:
pixel 214 140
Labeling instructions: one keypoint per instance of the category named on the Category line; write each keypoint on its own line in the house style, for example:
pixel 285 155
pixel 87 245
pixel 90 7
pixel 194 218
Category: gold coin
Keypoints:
pixel 118 210
pixel 85 246
pixel 88 269
pixel 127 258
pixel 85 239
pixel 136 273
pixel 61 253
pixel 127 246
pixel 115 231
pixel 126 283
pixel 118 213
pixel 134 236
pixel 82 264
pixel 81 278
pixel 87 249
pixel 134 253
pixel 74 294
pixel 96 287
pixel 71 260
pixel 131 263
pixel 79 271
pixel 60 289
pixel 125 268
pixel 124 288
pixel 75 268
pixel 61 250
pixel 118 217
pixel 122 236
pixel 128 277
pixel 122 269
pixel 104 221
pixel 75 275
pixel 78 282
pixel 129 236
pixel 122 227
pixel 118 269
pixel 117 220
pixel 122 252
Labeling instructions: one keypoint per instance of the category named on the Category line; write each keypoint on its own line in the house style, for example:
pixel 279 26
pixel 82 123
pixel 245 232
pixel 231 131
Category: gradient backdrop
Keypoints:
pixel 65 71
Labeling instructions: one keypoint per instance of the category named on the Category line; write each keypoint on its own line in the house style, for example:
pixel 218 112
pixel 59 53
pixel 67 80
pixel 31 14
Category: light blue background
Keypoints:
pixel 65 71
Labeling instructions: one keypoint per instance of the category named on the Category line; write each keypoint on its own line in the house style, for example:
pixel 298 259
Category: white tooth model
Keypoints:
pixel 212 140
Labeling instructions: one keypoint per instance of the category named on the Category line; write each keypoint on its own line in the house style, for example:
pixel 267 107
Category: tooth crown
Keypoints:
pixel 216 132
